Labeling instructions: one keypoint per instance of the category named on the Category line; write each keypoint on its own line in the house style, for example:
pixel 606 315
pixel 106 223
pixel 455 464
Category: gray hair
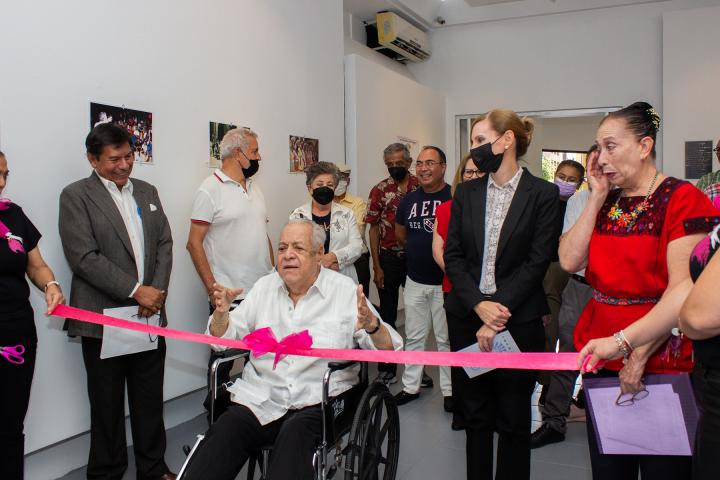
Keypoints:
pixel 234 139
pixel 317 237
pixel 321 168
pixel 397 147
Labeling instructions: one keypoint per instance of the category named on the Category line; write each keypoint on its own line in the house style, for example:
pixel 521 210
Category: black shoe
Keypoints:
pixel 426 381
pixel 545 435
pixel 404 397
pixel 456 427
pixel 448 404
pixel 388 378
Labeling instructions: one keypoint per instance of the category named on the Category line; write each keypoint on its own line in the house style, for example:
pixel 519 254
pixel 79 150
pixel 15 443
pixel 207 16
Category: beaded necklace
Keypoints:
pixel 627 220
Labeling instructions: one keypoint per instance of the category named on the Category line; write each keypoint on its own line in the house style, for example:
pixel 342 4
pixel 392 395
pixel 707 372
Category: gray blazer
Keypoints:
pixel 98 249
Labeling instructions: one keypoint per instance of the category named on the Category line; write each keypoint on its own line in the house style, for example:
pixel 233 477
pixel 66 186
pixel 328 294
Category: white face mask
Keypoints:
pixel 341 188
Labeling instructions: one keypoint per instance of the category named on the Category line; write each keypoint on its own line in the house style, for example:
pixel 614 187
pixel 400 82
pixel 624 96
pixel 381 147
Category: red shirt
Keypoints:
pixel 442 218
pixel 382 205
pixel 632 263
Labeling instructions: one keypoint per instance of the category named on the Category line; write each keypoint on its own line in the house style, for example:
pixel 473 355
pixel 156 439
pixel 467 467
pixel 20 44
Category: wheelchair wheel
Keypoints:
pixel 374 441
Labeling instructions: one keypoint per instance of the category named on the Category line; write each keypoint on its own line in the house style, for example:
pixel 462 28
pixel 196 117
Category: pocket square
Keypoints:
pixel 152 207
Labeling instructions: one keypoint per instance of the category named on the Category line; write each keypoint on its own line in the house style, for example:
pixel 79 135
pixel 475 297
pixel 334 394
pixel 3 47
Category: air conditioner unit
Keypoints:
pixel 406 40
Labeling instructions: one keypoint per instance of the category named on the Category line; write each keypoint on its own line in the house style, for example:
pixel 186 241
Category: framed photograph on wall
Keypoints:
pixel 136 122
pixel 217 132
pixel 303 153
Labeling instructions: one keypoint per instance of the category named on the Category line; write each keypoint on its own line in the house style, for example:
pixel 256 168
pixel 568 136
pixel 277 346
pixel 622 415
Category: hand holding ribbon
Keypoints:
pixel 263 341
pixel 13 354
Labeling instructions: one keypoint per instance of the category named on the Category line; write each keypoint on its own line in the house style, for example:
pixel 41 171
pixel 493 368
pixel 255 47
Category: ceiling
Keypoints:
pixel 431 14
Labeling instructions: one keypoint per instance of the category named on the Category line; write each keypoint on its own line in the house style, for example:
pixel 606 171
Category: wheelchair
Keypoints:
pixel 365 417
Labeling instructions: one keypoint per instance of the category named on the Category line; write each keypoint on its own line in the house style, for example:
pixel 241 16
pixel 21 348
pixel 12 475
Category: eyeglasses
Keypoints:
pixel 627 399
pixel 470 173
pixel 426 163
pixel 716 150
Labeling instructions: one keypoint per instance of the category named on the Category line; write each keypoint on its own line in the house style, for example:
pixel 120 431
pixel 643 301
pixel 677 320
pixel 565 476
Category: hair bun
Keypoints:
pixel 529 127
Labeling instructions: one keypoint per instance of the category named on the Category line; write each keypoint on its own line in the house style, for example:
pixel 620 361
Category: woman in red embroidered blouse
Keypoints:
pixel 636 239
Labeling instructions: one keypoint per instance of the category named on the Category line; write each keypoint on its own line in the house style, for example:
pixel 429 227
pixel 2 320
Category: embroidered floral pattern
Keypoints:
pixel 610 300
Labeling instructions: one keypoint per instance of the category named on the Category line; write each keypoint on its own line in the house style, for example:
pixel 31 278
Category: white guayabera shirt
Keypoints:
pixel 328 311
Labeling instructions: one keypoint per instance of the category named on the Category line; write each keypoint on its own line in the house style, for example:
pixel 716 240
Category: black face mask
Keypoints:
pixel 252 169
pixel 398 173
pixel 323 195
pixel 484 158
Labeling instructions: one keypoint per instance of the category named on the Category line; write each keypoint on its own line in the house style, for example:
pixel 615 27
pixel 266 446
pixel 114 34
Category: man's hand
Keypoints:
pixel 150 297
pixel 485 337
pixel 145 312
pixel 365 318
pixel 223 297
pixel 379 277
pixel 493 314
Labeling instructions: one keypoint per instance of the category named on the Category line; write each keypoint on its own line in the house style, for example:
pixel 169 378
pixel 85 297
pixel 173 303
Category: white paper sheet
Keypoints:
pixel 503 342
pixel 654 425
pixel 119 341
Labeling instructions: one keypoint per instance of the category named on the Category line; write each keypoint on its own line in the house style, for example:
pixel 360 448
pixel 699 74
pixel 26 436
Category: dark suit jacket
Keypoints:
pixel 98 249
pixel 528 240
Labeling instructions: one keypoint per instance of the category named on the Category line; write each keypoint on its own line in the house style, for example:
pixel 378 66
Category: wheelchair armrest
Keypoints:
pixel 334 366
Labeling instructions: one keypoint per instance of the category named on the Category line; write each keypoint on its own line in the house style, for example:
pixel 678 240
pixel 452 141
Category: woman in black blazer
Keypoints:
pixel 502 236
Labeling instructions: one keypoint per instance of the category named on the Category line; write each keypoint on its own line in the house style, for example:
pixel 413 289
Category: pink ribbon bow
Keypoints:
pixel 13 354
pixel 263 341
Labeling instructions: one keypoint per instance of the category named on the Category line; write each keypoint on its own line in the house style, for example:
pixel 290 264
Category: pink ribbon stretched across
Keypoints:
pixel 522 361
pixel 263 341
pixel 13 243
pixel 13 354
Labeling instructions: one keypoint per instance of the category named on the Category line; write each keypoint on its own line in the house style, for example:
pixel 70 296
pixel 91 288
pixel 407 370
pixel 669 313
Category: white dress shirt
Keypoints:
pixel 328 311
pixel 497 204
pixel 130 213
pixel 345 240
pixel 575 206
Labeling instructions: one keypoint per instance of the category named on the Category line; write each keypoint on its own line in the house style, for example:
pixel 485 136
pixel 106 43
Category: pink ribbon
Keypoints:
pixel 13 354
pixel 15 246
pixel 521 361
pixel 263 341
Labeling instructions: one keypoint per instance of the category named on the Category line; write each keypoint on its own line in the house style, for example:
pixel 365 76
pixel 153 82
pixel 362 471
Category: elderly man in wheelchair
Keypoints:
pixel 282 405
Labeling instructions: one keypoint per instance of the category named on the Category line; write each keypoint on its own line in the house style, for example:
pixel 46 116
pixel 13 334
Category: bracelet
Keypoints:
pixel 374 330
pixel 51 282
pixel 622 343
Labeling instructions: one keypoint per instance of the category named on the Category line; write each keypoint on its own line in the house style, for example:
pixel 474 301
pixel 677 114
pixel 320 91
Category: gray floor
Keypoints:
pixel 429 449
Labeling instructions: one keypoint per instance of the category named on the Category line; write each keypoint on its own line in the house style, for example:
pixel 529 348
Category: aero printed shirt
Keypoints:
pixel 497 204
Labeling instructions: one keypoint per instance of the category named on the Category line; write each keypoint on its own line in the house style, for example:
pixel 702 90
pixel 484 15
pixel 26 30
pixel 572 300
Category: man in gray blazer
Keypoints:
pixel 118 244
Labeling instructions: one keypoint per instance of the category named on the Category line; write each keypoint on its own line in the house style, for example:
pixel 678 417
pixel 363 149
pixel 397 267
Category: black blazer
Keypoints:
pixel 528 241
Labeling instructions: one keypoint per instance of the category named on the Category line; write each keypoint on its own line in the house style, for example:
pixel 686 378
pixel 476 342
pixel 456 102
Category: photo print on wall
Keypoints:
pixel 303 153
pixel 137 123
pixel 217 132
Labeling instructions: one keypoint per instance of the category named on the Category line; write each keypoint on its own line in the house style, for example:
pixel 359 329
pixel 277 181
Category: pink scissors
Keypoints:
pixel 13 354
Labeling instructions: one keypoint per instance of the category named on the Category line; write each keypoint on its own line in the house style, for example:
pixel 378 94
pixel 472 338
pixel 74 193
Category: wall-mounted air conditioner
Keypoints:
pixel 394 36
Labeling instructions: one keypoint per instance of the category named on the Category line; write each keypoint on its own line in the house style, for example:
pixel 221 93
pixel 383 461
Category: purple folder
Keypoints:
pixel 663 423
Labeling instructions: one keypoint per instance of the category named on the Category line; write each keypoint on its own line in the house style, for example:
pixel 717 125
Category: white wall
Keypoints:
pixel 590 59
pixel 275 66
pixel 691 75
pixel 381 104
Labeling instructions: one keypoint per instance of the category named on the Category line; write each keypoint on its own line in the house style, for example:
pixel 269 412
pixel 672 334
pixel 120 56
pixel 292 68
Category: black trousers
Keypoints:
pixel 106 379
pixel 237 434
pixel 395 271
pixel 706 461
pixel 16 381
pixel 627 467
pixel 362 268
pixel 497 401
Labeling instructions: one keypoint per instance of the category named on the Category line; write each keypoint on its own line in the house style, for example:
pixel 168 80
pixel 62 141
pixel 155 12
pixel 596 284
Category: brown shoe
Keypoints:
pixel 168 476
